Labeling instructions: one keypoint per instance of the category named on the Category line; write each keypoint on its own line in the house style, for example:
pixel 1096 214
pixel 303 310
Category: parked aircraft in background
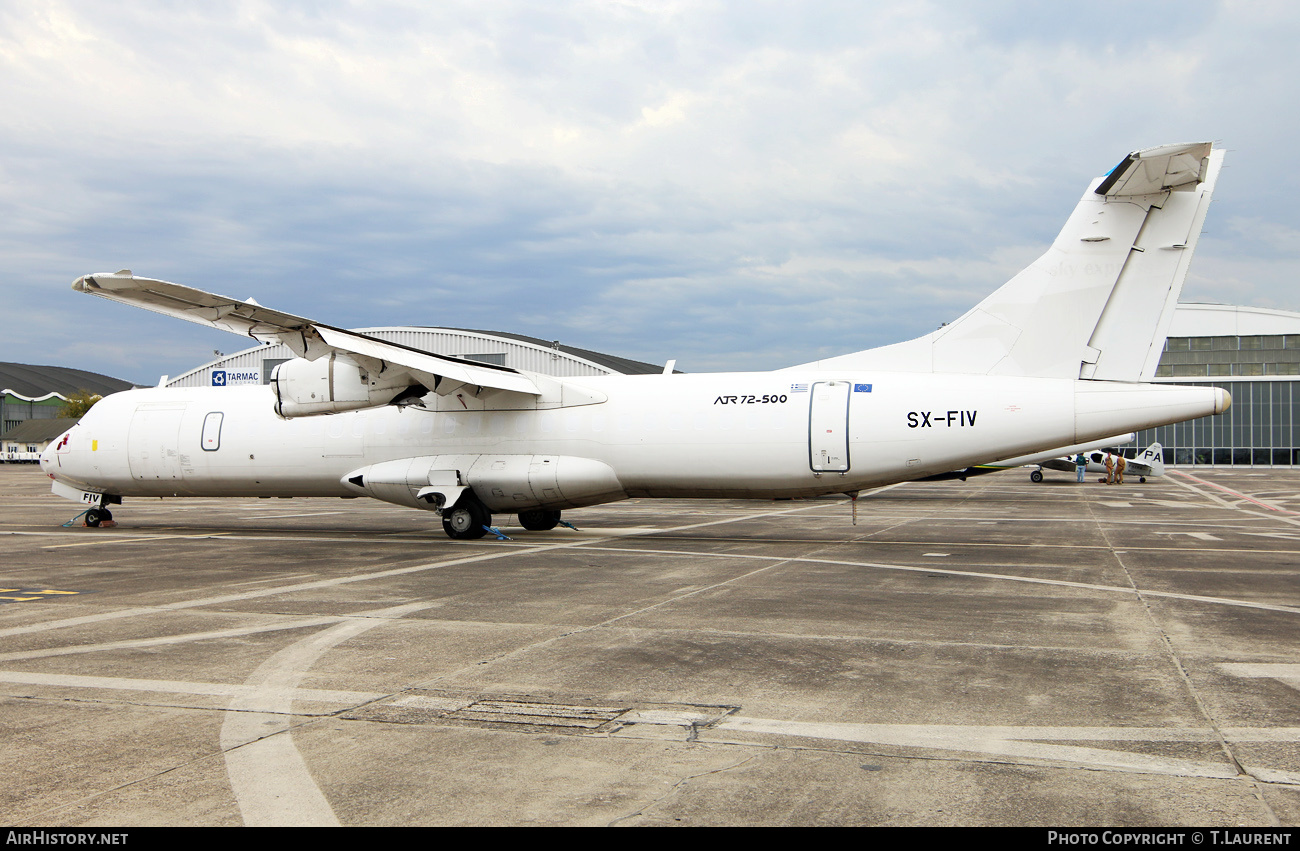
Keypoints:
pixel 1036 459
pixel 1053 358
pixel 1149 463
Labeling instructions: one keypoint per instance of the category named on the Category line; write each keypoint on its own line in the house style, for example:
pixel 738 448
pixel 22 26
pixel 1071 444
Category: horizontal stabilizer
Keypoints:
pixel 306 338
pixel 1159 169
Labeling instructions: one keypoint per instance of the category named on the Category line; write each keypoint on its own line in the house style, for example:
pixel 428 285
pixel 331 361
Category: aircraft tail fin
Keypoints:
pixel 1150 461
pixel 1099 302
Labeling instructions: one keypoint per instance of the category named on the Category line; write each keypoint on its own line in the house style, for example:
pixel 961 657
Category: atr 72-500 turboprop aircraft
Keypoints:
pixel 1055 357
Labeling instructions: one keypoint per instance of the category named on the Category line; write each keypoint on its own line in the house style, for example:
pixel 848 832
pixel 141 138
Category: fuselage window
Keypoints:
pixel 212 432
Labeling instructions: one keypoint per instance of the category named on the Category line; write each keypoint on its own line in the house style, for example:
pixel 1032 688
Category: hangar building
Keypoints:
pixel 1254 354
pixel 253 366
pixel 38 392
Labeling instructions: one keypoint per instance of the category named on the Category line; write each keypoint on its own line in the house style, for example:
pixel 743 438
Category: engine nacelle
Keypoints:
pixel 332 383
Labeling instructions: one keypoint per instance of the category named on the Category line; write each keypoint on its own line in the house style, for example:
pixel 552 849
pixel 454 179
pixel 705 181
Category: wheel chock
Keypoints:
pixel 74 520
pixel 501 536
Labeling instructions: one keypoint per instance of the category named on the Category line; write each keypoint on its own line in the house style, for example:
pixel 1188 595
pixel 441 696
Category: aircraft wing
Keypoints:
pixel 305 337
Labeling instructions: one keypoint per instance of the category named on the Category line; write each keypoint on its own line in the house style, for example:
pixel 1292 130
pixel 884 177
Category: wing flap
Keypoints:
pixel 419 363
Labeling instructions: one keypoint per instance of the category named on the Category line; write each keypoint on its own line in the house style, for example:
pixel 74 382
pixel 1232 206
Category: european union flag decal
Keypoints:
pixel 861 388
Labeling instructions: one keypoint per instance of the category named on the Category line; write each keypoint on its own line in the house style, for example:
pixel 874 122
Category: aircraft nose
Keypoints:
pixel 48 459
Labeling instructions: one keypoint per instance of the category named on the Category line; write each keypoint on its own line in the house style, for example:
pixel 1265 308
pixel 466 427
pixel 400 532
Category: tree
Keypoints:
pixel 78 403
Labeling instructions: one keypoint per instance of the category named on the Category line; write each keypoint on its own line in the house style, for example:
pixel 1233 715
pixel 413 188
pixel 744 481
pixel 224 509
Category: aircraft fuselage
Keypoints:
pixel 742 435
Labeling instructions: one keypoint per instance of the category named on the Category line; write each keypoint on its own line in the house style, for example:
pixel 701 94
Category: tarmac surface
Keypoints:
pixel 991 652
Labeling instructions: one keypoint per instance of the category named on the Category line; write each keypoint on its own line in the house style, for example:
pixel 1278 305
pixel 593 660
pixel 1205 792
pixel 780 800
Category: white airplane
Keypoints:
pixel 1053 358
pixel 1038 459
pixel 1150 462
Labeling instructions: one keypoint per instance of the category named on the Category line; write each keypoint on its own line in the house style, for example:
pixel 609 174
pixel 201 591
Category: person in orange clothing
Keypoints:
pixel 1110 469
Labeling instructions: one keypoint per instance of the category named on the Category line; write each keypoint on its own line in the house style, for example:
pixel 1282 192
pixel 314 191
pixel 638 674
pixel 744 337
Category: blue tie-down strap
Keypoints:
pixel 78 517
pixel 569 525
pixel 501 536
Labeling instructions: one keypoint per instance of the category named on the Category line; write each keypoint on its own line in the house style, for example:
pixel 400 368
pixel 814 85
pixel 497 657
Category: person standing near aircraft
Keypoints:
pixel 1120 464
pixel 1081 466
pixel 1110 469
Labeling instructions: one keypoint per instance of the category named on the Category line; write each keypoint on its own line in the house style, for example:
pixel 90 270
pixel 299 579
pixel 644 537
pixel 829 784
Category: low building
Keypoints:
pixel 24 443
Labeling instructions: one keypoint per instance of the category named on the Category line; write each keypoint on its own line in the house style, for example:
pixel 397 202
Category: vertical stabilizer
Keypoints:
pixel 1130 334
pixel 1098 303
pixel 1152 460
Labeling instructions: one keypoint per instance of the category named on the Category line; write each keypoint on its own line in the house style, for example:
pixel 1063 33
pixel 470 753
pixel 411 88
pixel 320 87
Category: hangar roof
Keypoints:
pixel 624 366
pixel 33 383
pixel 1228 320
pixel 38 430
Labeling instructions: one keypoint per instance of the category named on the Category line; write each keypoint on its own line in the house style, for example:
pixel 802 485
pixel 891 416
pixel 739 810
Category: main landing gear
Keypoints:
pixel 471 519
pixel 539 519
pixel 468 520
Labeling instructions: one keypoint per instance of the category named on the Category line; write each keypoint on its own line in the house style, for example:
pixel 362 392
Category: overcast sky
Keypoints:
pixel 741 185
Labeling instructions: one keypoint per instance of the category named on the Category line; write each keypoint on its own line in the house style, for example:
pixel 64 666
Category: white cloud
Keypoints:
pixel 736 181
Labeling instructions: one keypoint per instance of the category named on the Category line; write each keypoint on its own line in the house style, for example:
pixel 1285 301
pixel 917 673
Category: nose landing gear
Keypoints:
pixel 96 517
pixel 98 514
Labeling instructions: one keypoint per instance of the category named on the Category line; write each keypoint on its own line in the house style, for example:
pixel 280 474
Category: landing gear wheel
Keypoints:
pixel 539 519
pixel 465 522
pixel 1142 480
pixel 95 516
pixel 1036 476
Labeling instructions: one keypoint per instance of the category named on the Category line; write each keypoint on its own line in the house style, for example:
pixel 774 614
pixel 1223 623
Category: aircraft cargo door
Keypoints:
pixel 153 444
pixel 828 427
